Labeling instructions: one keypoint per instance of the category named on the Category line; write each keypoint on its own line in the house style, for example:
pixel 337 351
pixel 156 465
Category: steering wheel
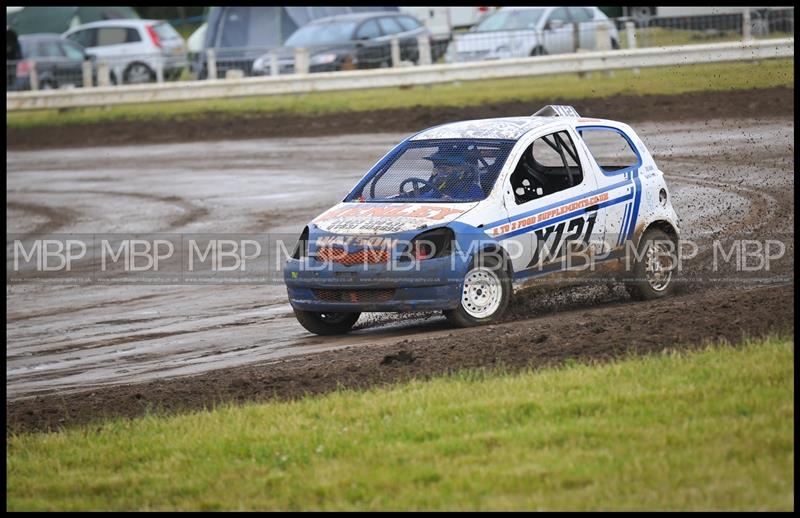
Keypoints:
pixel 416 182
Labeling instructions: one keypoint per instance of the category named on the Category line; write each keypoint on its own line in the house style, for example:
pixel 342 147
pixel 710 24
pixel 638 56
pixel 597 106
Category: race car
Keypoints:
pixel 457 217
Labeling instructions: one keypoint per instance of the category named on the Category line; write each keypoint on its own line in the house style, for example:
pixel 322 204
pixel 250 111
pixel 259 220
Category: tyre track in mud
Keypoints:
pixel 387 349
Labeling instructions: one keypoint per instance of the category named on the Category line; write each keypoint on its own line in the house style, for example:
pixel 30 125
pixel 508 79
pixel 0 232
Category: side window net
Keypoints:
pixel 547 166
pixel 609 148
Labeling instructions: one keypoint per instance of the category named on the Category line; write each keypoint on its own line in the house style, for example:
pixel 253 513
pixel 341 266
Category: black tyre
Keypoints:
pixel 539 51
pixel 654 274
pixel 138 73
pixel 485 293
pixel 326 323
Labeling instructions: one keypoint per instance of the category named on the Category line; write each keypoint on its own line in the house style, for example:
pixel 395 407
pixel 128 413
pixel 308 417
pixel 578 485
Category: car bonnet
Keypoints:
pixel 387 218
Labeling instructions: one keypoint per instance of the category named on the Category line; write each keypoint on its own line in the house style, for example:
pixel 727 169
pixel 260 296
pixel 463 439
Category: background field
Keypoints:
pixel 702 431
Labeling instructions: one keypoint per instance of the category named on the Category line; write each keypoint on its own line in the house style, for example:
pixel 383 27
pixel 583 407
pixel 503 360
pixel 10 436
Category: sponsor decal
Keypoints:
pixel 404 210
pixel 550 214
pixel 355 241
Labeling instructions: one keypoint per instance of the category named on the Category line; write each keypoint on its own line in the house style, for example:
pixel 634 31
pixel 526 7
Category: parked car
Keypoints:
pixel 58 62
pixel 134 49
pixel 13 54
pixel 513 32
pixel 349 41
pixel 457 216
pixel 240 34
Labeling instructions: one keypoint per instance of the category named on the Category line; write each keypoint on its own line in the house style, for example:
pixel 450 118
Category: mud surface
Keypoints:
pixel 78 352
pixel 602 334
pixel 737 104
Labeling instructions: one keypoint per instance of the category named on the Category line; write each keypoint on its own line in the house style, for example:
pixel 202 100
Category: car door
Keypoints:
pixel 72 66
pixel 112 45
pixel 523 38
pixel 558 34
pixel 616 163
pixel 587 32
pixel 392 29
pixel 372 52
pixel 49 63
pixel 412 29
pixel 552 202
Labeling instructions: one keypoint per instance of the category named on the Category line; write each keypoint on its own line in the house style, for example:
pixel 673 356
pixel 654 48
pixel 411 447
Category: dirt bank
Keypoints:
pixel 737 104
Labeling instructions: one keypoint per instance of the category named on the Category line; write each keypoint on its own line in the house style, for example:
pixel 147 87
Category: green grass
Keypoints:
pixel 702 431
pixel 665 37
pixel 667 80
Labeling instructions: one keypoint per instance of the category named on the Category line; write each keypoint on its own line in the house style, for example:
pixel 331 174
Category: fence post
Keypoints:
pixel 273 64
pixel 747 34
pixel 300 60
pixel 160 71
pixel 395 44
pixel 87 74
pixel 103 74
pixel 34 77
pixel 424 49
pixel 630 33
pixel 212 64
pixel 576 37
pixel 602 37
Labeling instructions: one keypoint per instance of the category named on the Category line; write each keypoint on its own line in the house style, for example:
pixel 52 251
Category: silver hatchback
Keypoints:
pixel 135 50
pixel 515 32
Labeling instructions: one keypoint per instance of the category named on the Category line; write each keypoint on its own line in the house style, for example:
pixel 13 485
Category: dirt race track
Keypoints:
pixel 75 353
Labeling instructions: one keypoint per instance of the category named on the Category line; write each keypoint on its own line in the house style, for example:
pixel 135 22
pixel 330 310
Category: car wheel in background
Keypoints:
pixel 47 85
pixel 326 323
pixel 138 73
pixel 538 51
pixel 654 274
pixel 485 293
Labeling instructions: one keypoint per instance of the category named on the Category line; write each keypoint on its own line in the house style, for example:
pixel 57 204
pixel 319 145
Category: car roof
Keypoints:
pixel 39 36
pixel 117 22
pixel 506 128
pixel 356 17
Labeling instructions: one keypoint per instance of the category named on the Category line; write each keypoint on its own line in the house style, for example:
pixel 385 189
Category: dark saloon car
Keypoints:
pixel 58 62
pixel 349 41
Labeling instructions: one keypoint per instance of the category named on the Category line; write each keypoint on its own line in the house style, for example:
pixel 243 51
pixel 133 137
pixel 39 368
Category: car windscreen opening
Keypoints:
pixel 442 170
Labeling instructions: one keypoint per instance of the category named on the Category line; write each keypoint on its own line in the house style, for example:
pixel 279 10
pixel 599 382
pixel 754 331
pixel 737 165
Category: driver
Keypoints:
pixel 454 176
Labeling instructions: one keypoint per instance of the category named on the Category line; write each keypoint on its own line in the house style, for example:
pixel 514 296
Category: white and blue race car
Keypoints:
pixel 458 216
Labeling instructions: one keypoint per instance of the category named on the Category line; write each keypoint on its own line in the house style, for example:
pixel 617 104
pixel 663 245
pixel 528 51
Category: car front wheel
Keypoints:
pixel 321 323
pixel 485 294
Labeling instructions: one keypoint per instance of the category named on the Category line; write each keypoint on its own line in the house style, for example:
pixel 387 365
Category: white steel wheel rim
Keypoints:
pixel 482 292
pixel 658 276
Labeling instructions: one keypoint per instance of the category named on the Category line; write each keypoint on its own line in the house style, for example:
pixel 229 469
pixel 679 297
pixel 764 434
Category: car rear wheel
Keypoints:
pixel 485 293
pixel 538 51
pixel 654 274
pixel 321 323
pixel 138 73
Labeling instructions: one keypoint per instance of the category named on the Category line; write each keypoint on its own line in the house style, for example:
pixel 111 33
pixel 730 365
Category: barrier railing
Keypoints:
pixel 462 47
pixel 403 76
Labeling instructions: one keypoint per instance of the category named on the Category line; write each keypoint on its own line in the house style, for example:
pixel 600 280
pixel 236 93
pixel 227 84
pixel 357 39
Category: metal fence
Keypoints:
pixel 234 63
pixel 661 31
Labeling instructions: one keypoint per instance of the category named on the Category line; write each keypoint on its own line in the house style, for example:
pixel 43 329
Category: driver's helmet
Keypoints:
pixel 454 170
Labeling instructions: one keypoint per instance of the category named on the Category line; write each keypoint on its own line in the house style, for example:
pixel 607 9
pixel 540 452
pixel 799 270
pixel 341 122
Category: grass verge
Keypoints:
pixel 667 80
pixel 708 430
